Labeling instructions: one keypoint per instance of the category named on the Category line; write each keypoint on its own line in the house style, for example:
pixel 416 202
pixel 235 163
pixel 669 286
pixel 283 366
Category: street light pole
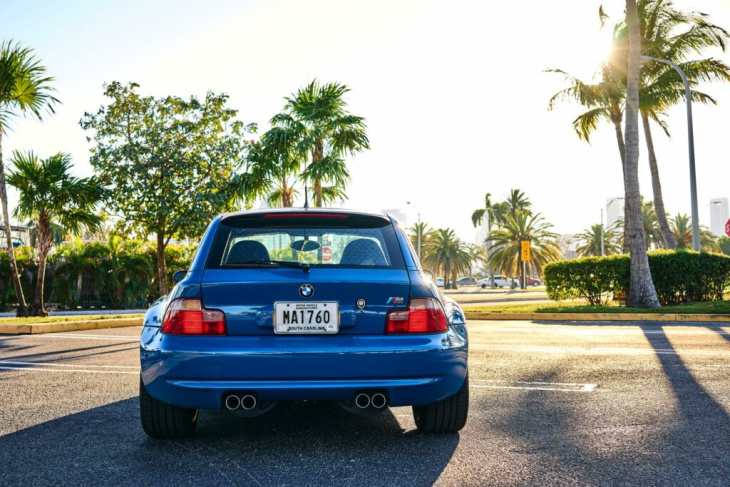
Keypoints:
pixel 691 143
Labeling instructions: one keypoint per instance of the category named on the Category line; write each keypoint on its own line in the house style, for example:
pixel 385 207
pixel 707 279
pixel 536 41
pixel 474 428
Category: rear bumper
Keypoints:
pixel 196 372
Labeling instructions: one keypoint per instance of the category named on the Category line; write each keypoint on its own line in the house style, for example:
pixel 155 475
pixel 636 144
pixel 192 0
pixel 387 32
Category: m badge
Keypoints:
pixel 395 300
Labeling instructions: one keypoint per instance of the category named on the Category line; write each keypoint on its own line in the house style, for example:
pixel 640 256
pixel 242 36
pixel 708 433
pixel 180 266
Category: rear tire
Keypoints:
pixel 446 416
pixel 160 420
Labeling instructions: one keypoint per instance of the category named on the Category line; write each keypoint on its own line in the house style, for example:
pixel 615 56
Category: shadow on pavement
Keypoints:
pixel 292 445
pixel 9 351
pixel 568 443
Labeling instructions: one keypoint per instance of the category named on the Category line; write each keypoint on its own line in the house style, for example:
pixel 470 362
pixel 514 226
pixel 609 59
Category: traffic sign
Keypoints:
pixel 727 228
pixel 525 250
pixel 326 254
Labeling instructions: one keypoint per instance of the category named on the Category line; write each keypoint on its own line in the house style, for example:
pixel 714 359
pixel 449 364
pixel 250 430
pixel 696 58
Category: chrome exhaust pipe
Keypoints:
pixel 378 400
pixel 248 402
pixel 233 402
pixel 362 400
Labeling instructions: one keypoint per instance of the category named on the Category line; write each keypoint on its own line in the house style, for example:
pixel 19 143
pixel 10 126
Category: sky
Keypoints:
pixel 454 93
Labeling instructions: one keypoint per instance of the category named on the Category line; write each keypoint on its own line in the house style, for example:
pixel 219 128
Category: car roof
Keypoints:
pixel 325 211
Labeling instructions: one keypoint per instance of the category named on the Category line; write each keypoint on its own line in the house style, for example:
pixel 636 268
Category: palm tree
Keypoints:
pixel 590 241
pixel 642 293
pixel 517 201
pixel 446 253
pixel 421 230
pixel 273 162
pixel 490 212
pixel 670 34
pixel 25 89
pixel 682 231
pixel 507 241
pixel 316 123
pixel 48 193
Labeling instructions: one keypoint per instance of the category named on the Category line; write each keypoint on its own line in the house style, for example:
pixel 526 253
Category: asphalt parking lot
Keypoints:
pixel 552 403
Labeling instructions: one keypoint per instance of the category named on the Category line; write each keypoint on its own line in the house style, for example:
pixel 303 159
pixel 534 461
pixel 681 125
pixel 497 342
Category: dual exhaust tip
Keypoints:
pixel 365 400
pixel 247 402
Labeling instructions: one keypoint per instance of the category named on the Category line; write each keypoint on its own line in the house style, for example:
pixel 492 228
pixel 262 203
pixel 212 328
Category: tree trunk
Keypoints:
pixel 447 271
pixel 318 193
pixel 43 244
pixel 669 241
pixel 616 119
pixel 641 292
pixel 22 307
pixel 161 264
pixel 453 279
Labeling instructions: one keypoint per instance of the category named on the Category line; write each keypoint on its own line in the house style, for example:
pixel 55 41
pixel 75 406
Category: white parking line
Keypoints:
pixel 569 330
pixel 600 350
pixel 534 386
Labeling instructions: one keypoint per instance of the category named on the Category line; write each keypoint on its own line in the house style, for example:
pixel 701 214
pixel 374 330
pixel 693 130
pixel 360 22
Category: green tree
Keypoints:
pixel 724 244
pixel 25 89
pixel 507 241
pixel 494 213
pixel 667 33
pixel 446 253
pixel 424 231
pixel 642 293
pixel 316 124
pixel 517 201
pixel 589 241
pixel 273 162
pixel 681 226
pixel 48 193
pixel 172 164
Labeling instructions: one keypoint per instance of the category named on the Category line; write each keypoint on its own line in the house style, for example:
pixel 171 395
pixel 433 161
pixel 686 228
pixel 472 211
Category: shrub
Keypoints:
pixel 679 276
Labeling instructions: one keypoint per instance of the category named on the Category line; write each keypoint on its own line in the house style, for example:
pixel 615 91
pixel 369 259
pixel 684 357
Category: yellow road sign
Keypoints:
pixel 525 250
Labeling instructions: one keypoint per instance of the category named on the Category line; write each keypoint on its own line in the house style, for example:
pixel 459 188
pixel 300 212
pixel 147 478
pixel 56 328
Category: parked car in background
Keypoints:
pixel 499 281
pixel 439 281
pixel 534 281
pixel 466 281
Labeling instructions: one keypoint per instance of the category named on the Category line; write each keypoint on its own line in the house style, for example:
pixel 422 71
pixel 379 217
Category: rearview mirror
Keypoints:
pixel 305 245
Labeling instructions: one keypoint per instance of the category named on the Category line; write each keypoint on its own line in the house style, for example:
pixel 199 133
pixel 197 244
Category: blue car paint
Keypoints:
pixel 197 371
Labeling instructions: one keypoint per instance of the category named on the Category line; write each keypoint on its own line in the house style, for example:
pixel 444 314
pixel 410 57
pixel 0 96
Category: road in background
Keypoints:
pixel 557 403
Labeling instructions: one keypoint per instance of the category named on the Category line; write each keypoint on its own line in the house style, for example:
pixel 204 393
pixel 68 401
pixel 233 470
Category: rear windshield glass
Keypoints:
pixel 352 241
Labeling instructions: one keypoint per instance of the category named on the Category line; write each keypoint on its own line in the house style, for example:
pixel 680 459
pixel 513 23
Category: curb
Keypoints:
pixel 35 328
pixel 598 317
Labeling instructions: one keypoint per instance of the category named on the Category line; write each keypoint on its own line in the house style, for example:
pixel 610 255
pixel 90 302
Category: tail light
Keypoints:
pixel 188 317
pixel 423 315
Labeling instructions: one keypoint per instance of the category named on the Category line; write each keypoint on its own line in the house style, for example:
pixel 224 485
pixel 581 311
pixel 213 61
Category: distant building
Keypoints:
pixel 614 210
pixel 719 215
pixel 399 215
pixel 481 233
pixel 568 246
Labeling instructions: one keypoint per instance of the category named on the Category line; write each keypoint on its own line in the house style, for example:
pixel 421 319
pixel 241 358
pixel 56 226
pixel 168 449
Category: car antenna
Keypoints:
pixel 306 196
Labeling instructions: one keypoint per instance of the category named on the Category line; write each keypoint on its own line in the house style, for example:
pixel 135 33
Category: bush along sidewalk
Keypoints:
pixel 680 276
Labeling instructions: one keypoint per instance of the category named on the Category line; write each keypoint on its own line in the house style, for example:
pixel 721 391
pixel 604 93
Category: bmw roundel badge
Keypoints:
pixel 306 291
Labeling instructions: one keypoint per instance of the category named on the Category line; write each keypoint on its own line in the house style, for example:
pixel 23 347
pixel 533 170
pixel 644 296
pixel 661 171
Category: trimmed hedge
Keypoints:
pixel 679 276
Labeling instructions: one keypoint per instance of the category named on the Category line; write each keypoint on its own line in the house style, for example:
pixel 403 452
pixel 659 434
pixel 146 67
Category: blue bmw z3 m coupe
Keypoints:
pixel 303 304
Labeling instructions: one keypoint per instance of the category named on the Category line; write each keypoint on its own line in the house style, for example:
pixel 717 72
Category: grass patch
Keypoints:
pixel 61 319
pixel 709 307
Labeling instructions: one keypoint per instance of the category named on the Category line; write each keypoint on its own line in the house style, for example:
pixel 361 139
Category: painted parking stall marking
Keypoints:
pixel 533 386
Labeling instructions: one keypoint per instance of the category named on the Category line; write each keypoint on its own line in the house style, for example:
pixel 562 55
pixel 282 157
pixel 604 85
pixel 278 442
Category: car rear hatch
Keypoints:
pixel 345 260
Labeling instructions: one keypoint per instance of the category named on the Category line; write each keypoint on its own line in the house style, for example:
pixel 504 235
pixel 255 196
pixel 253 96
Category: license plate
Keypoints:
pixel 309 317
